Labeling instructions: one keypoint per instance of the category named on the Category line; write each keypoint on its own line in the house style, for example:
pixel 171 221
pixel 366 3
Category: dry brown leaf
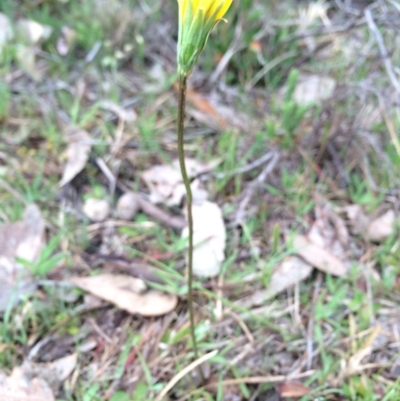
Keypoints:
pixel 127 293
pixel 54 373
pixel 318 257
pixel 291 271
pixel 22 239
pixel 203 105
pixel 209 238
pixel 79 145
pixel 382 227
pixel 20 387
pixel 293 389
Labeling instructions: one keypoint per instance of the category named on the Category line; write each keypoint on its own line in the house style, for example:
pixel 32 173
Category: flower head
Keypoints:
pixel 197 18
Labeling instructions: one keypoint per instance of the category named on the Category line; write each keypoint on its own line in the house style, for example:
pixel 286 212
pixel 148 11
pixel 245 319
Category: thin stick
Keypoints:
pixel 189 201
pixel 184 372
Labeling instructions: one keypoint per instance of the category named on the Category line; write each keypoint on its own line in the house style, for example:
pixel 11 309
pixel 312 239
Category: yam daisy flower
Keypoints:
pixel 197 18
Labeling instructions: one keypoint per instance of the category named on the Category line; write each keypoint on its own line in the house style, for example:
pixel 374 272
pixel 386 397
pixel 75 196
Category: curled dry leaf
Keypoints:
pixel 318 257
pixel 25 240
pixel 166 185
pixel 286 274
pixel 209 238
pixel 20 386
pixel 79 145
pixel 54 373
pixel 382 227
pixel 375 229
pixel 127 293
pixel 325 246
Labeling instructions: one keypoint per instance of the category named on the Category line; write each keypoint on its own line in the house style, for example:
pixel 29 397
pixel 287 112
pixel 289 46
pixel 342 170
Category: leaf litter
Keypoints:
pixel 127 293
pixel 24 239
pixel 326 244
pixel 77 153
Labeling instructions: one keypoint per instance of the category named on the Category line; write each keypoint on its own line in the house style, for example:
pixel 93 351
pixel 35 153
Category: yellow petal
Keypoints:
pixel 225 6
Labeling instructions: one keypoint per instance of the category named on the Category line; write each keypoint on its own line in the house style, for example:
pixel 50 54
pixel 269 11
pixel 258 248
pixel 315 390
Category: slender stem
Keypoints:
pixel 189 202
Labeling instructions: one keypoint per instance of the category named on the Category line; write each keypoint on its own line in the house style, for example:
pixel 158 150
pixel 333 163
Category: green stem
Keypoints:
pixel 189 202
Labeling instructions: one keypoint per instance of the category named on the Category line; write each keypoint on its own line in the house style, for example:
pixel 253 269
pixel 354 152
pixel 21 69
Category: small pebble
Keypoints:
pixel 128 206
pixel 96 209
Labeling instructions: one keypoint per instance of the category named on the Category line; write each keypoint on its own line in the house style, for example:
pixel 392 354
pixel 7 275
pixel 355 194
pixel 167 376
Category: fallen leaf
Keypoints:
pixel 54 373
pixel 202 104
pixel 286 274
pixel 293 389
pixel 209 239
pixel 326 244
pixel 357 219
pixel 6 31
pixel 32 32
pixel 318 257
pixel 313 89
pixel 127 293
pixel 79 145
pixel 20 387
pixel 373 228
pixel 166 185
pixel 382 227
pixel 25 240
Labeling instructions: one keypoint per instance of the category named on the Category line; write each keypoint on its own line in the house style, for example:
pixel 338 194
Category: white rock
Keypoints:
pixel 96 209
pixel 32 32
pixel 314 89
pixel 128 206
pixel 209 239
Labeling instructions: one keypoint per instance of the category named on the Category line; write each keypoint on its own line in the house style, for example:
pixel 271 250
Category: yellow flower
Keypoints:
pixel 197 18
